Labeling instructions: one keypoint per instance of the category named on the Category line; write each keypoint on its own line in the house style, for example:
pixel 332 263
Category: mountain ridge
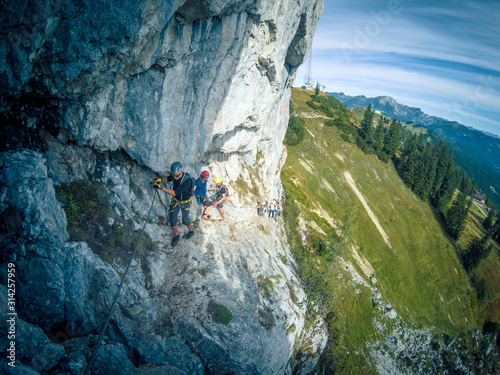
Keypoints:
pixel 425 119
pixel 387 104
pixel 477 152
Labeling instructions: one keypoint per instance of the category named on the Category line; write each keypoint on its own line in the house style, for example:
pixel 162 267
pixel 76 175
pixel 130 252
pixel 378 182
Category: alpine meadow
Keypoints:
pixel 377 260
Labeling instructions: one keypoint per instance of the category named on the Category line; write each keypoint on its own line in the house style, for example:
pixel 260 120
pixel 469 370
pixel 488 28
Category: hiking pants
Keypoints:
pixel 174 208
pixel 215 198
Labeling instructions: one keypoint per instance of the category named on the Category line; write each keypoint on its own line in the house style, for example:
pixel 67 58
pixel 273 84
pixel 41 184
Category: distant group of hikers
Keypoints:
pixel 183 187
pixel 272 209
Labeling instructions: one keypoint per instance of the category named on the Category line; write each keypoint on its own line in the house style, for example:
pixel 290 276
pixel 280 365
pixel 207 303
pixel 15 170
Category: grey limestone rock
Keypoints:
pixel 165 315
pixel 200 81
pixel 34 352
pixel 27 188
pixel 114 92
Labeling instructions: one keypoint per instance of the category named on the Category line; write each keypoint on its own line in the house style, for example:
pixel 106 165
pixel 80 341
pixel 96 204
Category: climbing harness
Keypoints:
pixel 175 202
pixel 115 299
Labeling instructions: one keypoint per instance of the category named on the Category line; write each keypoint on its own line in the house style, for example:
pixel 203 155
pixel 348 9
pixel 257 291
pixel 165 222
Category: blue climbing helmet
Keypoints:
pixel 176 168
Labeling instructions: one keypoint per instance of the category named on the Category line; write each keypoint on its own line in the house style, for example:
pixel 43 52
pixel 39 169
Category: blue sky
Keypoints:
pixel 443 57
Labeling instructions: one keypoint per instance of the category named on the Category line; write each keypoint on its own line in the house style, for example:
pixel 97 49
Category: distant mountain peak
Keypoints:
pixel 482 148
pixel 388 106
pixel 387 99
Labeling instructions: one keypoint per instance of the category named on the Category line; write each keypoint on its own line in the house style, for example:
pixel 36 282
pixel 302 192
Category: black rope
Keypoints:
pixel 118 292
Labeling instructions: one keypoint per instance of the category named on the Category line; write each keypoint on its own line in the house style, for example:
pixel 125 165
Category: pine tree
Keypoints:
pixel 378 138
pixel 496 231
pixel 447 190
pixel 445 180
pixel 465 184
pixel 392 139
pixel 443 165
pixel 429 162
pixel 421 167
pixel 456 217
pixel 476 251
pixel 366 125
pixel 488 222
pixel 407 162
pixel 413 168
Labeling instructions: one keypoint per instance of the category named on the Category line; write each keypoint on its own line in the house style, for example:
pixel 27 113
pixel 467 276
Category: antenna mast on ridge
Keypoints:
pixel 308 78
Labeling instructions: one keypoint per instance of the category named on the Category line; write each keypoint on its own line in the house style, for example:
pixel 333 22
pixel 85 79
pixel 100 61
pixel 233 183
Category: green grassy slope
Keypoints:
pixel 489 268
pixel 416 268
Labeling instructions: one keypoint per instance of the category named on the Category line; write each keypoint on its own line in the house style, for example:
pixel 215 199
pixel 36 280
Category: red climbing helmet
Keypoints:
pixel 205 174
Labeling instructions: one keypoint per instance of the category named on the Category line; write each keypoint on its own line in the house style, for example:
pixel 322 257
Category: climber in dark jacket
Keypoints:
pixel 181 194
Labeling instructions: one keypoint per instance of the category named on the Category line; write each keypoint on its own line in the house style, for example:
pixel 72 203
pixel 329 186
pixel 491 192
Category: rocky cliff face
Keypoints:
pixel 198 81
pixel 103 97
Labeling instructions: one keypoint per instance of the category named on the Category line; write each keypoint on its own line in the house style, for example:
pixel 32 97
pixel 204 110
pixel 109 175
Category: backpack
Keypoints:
pixel 218 193
pixel 190 191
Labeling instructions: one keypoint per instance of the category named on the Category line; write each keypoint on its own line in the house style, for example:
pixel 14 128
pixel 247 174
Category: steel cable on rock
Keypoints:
pixel 115 299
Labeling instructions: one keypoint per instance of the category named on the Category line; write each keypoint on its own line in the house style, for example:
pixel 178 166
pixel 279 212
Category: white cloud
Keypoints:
pixel 443 55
